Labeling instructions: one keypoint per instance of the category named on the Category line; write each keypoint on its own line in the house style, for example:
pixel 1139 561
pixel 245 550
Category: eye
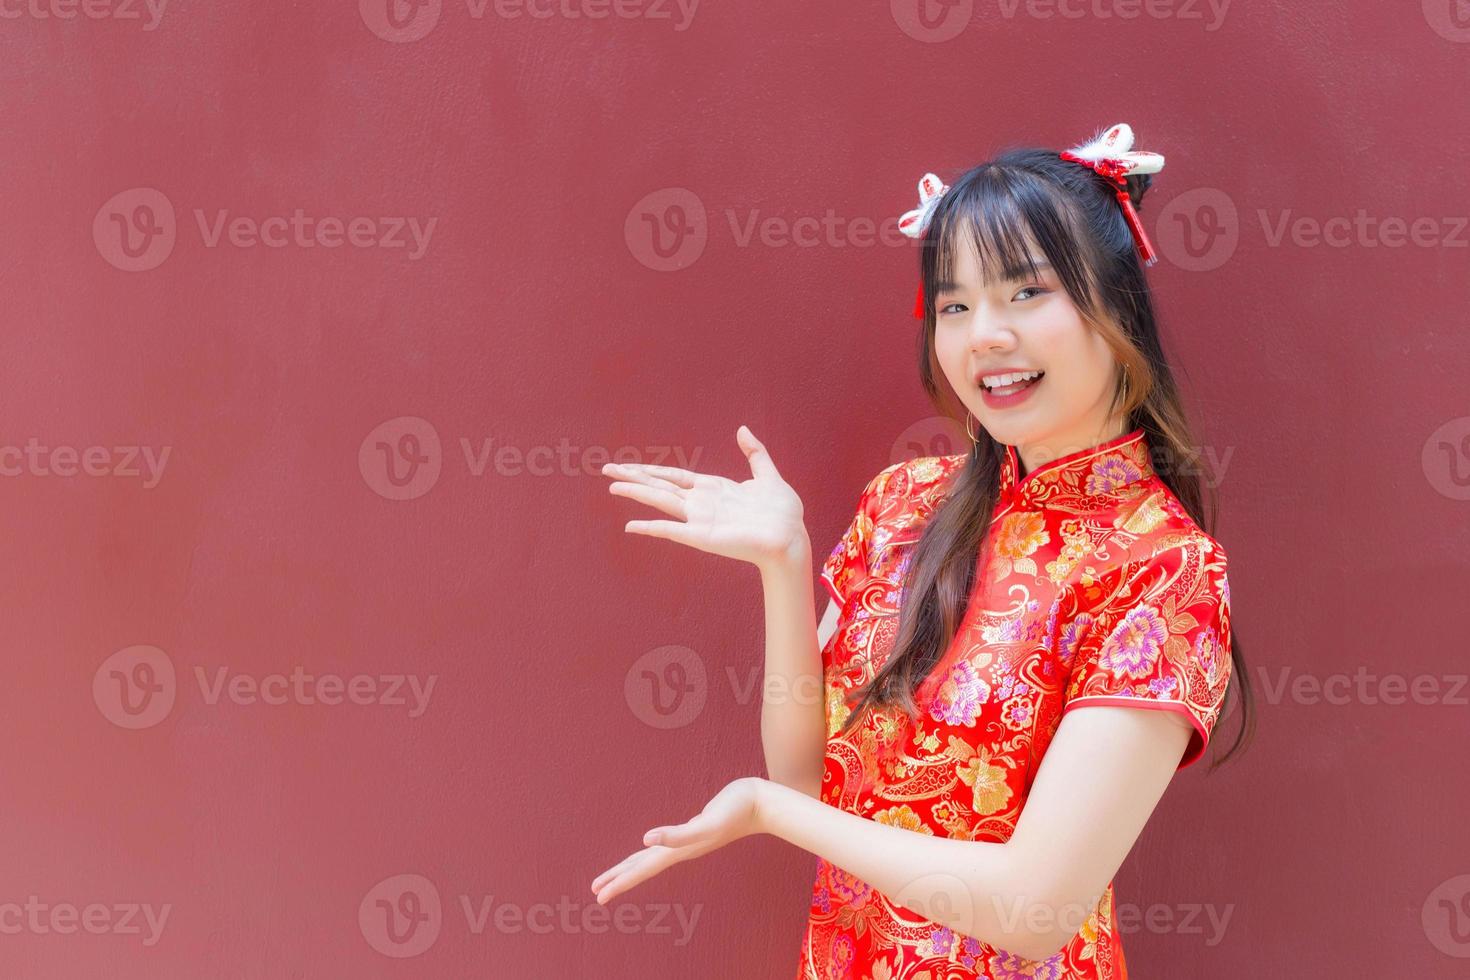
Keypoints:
pixel 1038 289
pixel 944 309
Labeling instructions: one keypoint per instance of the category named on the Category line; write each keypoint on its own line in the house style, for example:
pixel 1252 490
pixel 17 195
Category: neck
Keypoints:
pixel 1040 453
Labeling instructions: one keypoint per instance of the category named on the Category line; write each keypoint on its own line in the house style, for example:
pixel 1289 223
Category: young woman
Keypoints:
pixel 967 821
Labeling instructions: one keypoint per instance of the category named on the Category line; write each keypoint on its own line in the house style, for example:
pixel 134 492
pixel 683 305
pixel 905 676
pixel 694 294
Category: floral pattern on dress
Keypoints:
pixel 1095 587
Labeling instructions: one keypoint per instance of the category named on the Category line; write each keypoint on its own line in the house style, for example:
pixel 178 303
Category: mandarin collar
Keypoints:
pixel 1101 471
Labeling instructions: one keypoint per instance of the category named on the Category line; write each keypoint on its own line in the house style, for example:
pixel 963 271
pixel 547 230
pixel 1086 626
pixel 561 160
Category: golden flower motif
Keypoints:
pixel 988 782
pixel 902 816
pixel 1148 515
pixel 1021 534
pixel 926 469
pixel 837 710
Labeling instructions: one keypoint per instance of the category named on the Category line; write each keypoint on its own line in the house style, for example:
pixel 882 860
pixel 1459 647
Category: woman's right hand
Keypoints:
pixel 758 520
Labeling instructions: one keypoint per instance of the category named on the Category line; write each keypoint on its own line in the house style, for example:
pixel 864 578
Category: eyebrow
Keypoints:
pixel 946 286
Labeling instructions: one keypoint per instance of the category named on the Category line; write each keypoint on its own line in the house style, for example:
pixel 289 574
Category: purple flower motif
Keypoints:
pixel 1133 647
pixel 1110 473
pixel 848 889
pixel 943 940
pixel 1163 686
pixel 1009 966
pixel 960 695
pixel 1072 635
pixel 1207 648
pixel 842 954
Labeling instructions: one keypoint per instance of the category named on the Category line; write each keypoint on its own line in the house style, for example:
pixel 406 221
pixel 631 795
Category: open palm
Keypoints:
pixel 757 520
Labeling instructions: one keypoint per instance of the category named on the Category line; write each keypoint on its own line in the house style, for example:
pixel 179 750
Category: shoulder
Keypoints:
pixel 1157 525
pixel 917 477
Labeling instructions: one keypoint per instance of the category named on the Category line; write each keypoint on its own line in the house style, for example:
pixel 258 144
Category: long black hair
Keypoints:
pixel 1072 214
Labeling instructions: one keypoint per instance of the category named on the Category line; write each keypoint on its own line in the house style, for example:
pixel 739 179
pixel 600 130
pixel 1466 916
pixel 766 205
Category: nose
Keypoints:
pixel 990 330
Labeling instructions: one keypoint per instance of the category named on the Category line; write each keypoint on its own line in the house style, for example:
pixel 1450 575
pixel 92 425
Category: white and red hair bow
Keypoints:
pixel 914 223
pixel 1111 154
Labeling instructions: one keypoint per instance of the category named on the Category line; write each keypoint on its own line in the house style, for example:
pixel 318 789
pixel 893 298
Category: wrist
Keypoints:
pixel 795 558
pixel 767 798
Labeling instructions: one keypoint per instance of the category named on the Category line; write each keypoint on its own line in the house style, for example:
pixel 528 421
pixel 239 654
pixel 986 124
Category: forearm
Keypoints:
pixel 793 719
pixel 977 888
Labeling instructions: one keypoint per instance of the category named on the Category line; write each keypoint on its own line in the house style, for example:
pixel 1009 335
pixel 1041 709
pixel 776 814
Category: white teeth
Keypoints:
pixel 1002 380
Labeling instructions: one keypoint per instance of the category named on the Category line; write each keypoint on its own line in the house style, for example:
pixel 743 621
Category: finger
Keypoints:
pixel 760 461
pixel 613 872
pixel 668 530
pixel 667 501
pixel 637 873
pixel 636 475
pixel 673 474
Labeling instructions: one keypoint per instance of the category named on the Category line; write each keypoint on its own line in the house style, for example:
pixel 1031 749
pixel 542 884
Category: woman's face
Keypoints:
pixel 1025 325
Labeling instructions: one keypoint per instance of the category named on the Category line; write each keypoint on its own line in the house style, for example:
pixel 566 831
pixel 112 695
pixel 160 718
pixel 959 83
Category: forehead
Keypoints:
pixel 970 265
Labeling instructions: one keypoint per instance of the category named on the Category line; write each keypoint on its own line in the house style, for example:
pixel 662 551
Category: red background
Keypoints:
pixel 1327 375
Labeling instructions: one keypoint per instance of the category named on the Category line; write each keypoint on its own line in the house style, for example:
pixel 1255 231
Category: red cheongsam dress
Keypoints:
pixel 1094 587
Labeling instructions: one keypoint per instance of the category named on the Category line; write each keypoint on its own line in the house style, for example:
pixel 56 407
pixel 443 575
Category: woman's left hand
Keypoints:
pixel 732 813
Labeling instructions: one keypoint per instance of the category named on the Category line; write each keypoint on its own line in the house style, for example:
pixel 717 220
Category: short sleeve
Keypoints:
pixel 1161 640
pixel 849 565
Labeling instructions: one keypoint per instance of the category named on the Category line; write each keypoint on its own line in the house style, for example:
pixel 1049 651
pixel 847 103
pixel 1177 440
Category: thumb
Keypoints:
pixel 760 460
pixel 691 832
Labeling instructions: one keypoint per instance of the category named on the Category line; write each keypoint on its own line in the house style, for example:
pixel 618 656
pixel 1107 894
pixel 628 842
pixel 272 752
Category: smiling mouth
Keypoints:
pixel 1011 389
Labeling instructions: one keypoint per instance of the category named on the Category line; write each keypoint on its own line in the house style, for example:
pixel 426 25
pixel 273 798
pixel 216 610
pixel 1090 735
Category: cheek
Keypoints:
pixel 952 353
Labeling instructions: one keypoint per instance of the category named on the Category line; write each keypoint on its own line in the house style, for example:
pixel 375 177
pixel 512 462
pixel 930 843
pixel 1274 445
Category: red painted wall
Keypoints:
pixel 253 252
